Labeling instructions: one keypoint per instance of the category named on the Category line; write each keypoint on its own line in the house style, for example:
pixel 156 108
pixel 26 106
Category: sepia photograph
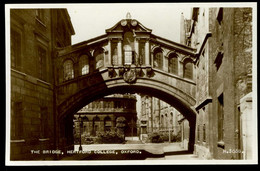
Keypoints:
pixel 131 84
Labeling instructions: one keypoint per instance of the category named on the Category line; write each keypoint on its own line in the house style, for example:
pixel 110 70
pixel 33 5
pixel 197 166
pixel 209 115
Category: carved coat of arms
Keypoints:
pixel 130 76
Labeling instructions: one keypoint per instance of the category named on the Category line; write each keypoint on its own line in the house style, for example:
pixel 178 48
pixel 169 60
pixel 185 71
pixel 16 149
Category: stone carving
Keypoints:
pixel 130 76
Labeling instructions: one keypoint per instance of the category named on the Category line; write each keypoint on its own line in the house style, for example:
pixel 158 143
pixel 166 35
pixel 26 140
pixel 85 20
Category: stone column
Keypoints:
pixel 192 135
pixel 109 53
pixel 147 53
pixel 119 55
pixel 136 52
pixel 152 64
pixel 165 63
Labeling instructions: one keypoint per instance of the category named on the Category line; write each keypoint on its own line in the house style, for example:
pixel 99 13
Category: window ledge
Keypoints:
pixel 221 144
pixel 17 141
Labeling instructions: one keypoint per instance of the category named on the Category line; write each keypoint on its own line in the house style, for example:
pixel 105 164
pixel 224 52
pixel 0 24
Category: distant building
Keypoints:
pixel 101 115
pixel 35 34
pixel 158 116
pixel 223 39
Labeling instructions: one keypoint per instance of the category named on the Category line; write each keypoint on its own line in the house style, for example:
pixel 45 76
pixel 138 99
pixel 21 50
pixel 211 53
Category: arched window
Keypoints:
pixel 83 65
pixel 158 58
pixel 188 69
pixel 128 46
pixel 68 70
pixel 173 63
pixel 99 58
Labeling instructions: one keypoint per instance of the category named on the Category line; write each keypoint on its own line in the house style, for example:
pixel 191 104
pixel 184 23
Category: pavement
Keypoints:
pixel 132 150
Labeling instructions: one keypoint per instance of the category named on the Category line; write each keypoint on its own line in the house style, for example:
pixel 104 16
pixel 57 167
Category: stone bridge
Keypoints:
pixel 127 59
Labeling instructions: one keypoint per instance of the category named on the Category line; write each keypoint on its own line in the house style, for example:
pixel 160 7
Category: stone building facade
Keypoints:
pixel 101 115
pixel 223 39
pixel 34 36
pixel 158 116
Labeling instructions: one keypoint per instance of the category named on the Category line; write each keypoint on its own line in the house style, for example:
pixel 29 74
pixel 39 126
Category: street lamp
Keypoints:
pixel 80 125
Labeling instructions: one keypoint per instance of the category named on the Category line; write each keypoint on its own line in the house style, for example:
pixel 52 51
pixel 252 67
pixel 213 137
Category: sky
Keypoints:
pixel 91 20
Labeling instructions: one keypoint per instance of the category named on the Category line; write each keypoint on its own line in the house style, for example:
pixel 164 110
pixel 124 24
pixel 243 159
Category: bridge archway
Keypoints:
pixel 140 68
pixel 103 86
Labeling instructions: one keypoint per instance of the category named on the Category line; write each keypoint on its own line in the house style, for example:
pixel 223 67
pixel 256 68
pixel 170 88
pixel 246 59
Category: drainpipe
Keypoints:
pixel 53 55
pixel 152 112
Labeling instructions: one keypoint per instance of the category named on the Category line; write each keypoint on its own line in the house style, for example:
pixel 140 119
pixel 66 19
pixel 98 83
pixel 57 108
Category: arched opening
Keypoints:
pixel 188 69
pixel 83 65
pixel 173 64
pixel 68 71
pixel 183 107
pixel 128 46
pixel 99 58
pixel 158 58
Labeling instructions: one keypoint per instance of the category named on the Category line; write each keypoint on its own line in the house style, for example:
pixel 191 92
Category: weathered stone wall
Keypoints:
pixel 30 87
pixel 222 79
pixel 33 94
pixel 230 78
pixel 27 88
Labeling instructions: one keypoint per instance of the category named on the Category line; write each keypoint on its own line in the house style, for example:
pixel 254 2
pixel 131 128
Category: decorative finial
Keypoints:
pixel 128 16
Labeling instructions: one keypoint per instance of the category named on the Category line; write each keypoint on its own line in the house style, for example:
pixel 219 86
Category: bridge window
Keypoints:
pixel 188 69
pixel 83 65
pixel 99 58
pixel 128 54
pixel 68 70
pixel 141 52
pixel 128 47
pixel 114 54
pixel 158 59
pixel 173 63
